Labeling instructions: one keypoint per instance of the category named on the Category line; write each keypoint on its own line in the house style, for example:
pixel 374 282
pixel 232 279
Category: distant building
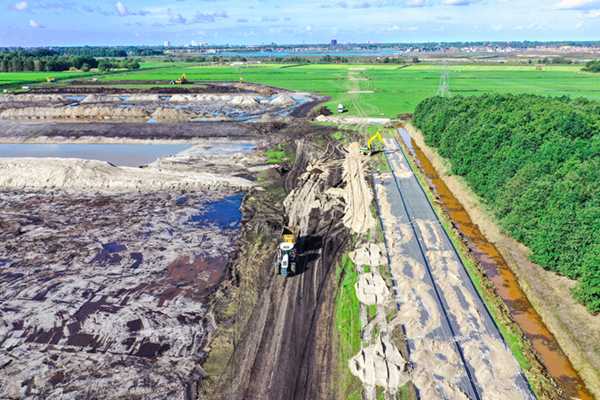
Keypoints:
pixel 167 43
pixel 333 42
pixel 194 43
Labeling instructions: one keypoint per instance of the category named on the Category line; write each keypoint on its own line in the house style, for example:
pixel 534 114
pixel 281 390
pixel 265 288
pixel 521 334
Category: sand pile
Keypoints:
pixel 245 102
pixel 95 113
pixel 144 97
pixel 358 195
pixel 285 100
pixel 382 365
pixel 371 289
pixel 96 98
pixel 33 98
pixel 70 173
pixel 172 113
pixel 184 98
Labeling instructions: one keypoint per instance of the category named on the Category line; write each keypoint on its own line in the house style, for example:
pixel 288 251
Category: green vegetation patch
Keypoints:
pixel 347 327
pixel 536 162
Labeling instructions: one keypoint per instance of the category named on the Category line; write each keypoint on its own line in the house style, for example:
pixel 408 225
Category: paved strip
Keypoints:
pixel 456 349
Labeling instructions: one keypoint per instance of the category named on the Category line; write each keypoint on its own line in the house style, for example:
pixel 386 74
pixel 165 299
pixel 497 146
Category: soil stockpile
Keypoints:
pixel 81 112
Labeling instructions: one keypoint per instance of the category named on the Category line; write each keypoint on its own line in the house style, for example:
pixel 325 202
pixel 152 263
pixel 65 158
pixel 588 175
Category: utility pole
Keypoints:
pixel 444 88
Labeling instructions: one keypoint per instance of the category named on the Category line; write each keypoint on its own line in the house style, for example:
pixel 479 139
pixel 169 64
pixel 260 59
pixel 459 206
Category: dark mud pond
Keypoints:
pixel 124 155
pixel 225 213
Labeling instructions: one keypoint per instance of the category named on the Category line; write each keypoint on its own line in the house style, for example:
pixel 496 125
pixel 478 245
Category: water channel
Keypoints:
pixel 123 155
pixel 505 282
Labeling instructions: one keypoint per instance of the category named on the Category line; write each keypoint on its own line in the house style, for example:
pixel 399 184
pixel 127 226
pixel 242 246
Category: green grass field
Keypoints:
pixel 396 89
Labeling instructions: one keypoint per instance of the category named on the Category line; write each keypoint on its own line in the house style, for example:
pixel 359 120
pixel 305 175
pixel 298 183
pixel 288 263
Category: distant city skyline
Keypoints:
pixel 34 23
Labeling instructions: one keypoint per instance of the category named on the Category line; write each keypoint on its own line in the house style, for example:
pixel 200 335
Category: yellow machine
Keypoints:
pixel 181 80
pixel 50 79
pixel 368 149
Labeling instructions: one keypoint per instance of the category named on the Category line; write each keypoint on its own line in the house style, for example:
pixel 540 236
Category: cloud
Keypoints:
pixel 121 9
pixel 308 28
pixel 142 13
pixel 202 18
pixel 265 19
pixel 576 5
pixel 412 28
pixel 417 3
pixel 362 4
pixel 579 25
pixel 394 28
pixel 443 18
pixel 496 27
pixel 381 3
pixel 50 6
pixel 88 8
pixel 274 19
pixel 176 18
pixel 220 13
pixel 21 6
pixel 594 14
pixel 34 24
pixel 325 6
pixel 287 19
pixel 139 24
pixel 242 20
pixel 458 2
pixel 158 25
pixel 342 4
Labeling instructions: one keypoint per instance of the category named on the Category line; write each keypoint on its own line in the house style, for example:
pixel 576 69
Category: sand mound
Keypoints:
pixel 143 97
pixel 265 118
pixel 382 365
pixel 96 98
pixel 172 113
pixel 245 102
pixel 359 195
pixel 371 255
pixel 33 98
pixel 285 100
pixel 371 289
pixel 95 113
pixel 99 175
pixel 184 98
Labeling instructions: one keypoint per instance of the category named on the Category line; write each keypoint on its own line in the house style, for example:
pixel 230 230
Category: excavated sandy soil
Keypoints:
pixel 103 294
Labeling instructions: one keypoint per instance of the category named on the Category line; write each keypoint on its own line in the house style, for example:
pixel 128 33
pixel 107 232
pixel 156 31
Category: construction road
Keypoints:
pixel 456 350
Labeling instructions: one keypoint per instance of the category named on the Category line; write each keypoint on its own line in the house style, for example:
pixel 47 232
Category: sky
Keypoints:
pixel 34 23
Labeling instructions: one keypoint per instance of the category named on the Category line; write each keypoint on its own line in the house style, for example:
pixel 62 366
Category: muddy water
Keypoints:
pixel 506 283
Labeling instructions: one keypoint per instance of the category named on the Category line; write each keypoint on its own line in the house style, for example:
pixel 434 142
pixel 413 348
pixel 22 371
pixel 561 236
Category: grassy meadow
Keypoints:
pixel 391 89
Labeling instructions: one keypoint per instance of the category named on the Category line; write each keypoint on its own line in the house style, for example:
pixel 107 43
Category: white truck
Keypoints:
pixel 340 108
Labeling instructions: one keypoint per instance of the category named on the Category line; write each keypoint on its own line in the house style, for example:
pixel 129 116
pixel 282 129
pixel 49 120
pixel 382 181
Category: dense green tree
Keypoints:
pixel 536 162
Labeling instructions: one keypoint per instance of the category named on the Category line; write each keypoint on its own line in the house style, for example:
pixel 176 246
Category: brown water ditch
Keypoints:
pixel 505 282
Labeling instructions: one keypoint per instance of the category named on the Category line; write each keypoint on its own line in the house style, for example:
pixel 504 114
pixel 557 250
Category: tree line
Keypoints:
pixel 535 161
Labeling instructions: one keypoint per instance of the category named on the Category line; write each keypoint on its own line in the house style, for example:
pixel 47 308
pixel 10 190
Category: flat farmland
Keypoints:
pixel 387 89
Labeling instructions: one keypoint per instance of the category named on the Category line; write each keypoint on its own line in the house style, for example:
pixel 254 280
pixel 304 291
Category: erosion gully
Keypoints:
pixel 505 282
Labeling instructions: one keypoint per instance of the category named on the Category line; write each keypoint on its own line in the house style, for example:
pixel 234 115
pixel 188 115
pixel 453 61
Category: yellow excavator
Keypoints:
pixel 181 81
pixel 368 149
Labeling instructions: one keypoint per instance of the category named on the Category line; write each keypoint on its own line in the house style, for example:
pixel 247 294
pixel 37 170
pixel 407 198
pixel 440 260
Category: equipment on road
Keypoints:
pixel 368 149
pixel 50 79
pixel 181 81
pixel 286 254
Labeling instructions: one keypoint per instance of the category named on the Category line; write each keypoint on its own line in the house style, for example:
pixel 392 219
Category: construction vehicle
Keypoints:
pixel 286 253
pixel 181 81
pixel 368 149
pixel 50 79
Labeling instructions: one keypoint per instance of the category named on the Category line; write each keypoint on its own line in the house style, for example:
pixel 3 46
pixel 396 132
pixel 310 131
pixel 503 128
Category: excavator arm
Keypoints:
pixel 368 149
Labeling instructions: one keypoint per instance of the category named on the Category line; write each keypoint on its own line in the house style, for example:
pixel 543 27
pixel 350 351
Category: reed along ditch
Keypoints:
pixel 505 282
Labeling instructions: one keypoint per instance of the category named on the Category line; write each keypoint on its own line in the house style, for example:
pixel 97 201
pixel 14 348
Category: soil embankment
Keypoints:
pixel 285 350
pixel 549 292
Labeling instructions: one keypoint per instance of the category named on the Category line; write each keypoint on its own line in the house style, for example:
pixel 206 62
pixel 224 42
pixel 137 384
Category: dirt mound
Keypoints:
pixel 70 173
pixel 371 289
pixel 33 98
pixel 358 195
pixel 93 113
pixel 270 174
pixel 245 102
pixel 144 97
pixel 96 98
pixel 285 100
pixel 184 98
pixel 265 91
pixel 172 113
pixel 382 365
pixel 320 111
